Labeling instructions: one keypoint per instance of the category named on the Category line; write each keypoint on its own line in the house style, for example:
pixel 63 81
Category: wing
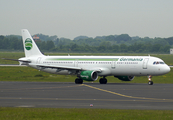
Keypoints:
pixel 43 66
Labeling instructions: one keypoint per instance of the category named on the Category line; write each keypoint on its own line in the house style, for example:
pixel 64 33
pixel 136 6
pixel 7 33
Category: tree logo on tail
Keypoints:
pixel 28 44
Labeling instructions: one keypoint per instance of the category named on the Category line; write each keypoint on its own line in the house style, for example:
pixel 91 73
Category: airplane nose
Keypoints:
pixel 164 70
pixel 167 69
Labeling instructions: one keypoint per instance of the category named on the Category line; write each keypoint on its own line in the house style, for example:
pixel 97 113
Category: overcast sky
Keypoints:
pixel 71 18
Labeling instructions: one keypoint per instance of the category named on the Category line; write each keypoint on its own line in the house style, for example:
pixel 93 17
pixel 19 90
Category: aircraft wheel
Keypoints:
pixel 103 80
pixel 150 83
pixel 78 81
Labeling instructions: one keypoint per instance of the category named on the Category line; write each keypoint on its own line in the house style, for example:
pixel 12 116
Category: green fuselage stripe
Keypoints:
pixel 81 59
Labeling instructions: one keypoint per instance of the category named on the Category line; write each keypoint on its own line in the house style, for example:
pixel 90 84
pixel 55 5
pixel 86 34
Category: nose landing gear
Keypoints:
pixel 149 79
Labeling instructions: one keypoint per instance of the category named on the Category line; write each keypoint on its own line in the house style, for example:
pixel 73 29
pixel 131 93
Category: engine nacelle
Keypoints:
pixel 89 75
pixel 125 78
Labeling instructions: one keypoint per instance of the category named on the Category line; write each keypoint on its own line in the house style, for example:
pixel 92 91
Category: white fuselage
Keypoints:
pixel 90 67
pixel 108 65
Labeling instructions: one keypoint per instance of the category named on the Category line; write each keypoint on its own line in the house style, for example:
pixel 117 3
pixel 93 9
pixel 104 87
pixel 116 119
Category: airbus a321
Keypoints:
pixel 88 68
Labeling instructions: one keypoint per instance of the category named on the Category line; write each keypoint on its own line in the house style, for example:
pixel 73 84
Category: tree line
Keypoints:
pixel 105 44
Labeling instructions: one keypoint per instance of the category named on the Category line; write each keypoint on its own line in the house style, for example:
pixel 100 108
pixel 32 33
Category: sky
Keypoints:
pixel 72 18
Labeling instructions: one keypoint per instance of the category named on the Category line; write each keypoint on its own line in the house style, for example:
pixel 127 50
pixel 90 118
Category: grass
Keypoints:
pixel 33 75
pixel 11 55
pixel 82 114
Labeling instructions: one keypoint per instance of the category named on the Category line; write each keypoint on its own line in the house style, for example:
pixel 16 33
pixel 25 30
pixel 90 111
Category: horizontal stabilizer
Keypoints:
pixel 27 61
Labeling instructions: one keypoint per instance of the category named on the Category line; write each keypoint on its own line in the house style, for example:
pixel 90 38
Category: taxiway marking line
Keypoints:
pixel 157 99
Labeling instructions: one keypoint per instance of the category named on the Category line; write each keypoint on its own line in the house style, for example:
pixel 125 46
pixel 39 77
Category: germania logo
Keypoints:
pixel 84 76
pixel 131 59
pixel 28 44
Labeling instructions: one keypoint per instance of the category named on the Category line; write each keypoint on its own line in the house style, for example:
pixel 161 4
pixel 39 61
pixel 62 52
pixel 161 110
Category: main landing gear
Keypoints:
pixel 78 81
pixel 150 82
pixel 103 80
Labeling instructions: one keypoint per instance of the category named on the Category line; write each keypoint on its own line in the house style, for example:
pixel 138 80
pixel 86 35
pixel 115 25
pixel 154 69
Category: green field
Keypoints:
pixel 33 75
pixel 82 114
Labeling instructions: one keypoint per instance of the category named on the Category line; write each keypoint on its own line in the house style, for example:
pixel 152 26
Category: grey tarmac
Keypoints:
pixel 87 95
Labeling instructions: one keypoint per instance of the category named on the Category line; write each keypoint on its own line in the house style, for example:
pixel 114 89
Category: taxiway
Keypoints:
pixel 87 95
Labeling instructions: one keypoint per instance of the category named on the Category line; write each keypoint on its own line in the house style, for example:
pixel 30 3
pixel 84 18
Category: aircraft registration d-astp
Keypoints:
pixel 88 68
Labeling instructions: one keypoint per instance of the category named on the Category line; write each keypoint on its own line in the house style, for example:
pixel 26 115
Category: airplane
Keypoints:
pixel 88 68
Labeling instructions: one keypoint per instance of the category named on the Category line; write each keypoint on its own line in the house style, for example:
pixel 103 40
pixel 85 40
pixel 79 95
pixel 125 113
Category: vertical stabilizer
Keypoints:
pixel 30 47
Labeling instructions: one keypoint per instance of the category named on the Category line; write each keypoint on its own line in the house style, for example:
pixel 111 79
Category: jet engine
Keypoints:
pixel 125 78
pixel 89 75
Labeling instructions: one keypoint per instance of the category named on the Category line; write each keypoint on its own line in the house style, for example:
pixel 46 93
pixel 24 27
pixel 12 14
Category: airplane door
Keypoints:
pixel 76 63
pixel 38 60
pixel 113 64
pixel 145 63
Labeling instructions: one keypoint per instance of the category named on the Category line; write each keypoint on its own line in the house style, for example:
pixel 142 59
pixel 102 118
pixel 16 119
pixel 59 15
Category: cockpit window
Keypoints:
pixel 161 62
pixel 157 62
